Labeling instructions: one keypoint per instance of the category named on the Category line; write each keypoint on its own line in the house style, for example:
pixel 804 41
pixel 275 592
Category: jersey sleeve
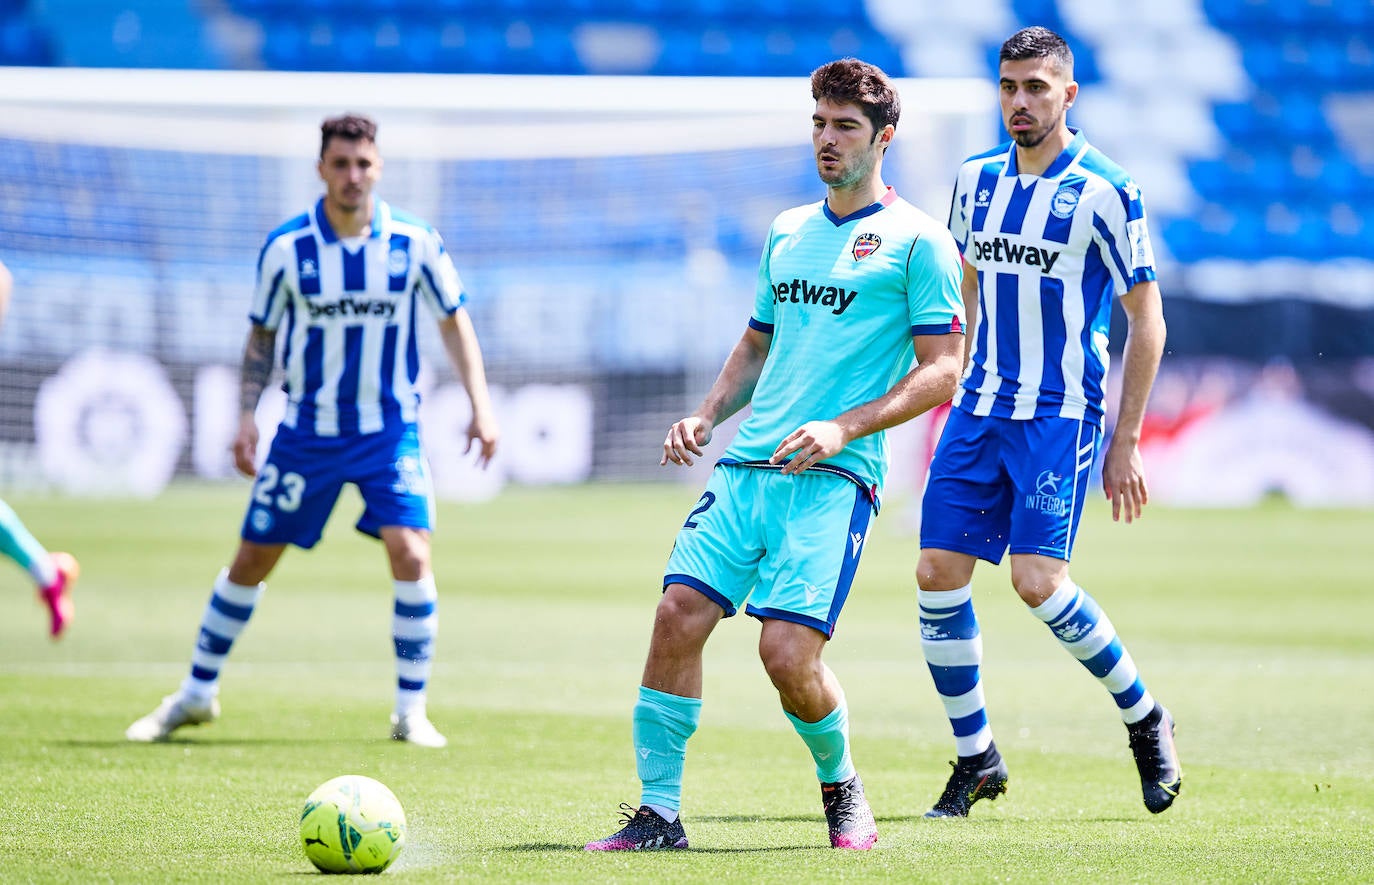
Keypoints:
pixel 439 285
pixel 935 270
pixel 764 303
pixel 958 212
pixel 1122 232
pixel 273 289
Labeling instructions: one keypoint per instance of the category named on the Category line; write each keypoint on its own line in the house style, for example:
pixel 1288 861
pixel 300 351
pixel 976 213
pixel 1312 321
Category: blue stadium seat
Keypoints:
pixel 22 42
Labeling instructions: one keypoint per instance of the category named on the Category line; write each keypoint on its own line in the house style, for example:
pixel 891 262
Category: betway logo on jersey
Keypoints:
pixel 352 307
pixel 1003 249
pixel 803 292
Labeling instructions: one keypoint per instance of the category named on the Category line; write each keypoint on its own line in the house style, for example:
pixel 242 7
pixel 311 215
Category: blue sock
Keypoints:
pixel 1084 630
pixel 953 649
pixel 414 623
pixel 828 741
pixel 19 544
pixel 662 724
pixel 227 613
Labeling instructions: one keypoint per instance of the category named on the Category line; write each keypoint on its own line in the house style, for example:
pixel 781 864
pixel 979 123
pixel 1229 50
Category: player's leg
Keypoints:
pixel 414 626
pixel 392 476
pixel 814 704
pixel 964 518
pixel 816 527
pixel 232 600
pixel 292 497
pixel 715 553
pixel 54 574
pixel 1053 483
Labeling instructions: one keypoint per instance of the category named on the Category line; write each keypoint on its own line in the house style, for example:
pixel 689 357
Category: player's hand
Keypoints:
pixel 809 445
pixel 245 447
pixel 1123 479
pixel 685 439
pixel 485 434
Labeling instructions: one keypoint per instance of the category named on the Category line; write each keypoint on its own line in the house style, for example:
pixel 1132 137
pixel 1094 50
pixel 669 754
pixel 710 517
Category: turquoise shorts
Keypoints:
pixel 787 544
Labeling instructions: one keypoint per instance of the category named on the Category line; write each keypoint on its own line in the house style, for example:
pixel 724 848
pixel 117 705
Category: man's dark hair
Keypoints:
pixel 354 127
pixel 1038 42
pixel 850 81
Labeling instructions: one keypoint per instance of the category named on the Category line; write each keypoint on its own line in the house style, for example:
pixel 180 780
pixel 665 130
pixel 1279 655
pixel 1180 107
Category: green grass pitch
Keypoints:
pixel 1253 626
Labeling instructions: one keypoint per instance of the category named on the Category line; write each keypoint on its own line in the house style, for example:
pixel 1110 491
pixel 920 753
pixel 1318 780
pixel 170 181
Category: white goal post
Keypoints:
pixel 607 228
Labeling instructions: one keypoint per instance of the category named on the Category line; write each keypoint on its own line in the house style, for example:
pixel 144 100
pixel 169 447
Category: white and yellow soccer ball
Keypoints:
pixel 352 824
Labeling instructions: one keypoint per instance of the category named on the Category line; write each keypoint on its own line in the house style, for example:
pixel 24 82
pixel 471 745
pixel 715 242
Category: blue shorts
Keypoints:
pixel 788 544
pixel 996 482
pixel 296 488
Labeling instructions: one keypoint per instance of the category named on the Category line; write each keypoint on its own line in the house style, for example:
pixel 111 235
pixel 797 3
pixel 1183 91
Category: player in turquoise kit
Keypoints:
pixel 54 574
pixel 849 290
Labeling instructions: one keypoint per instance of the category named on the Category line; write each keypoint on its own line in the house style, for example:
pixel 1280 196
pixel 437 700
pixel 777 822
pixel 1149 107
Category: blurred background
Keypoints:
pixel 604 174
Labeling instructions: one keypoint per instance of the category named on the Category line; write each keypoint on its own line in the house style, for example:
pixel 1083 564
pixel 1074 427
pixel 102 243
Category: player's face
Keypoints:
pixel 846 150
pixel 1035 95
pixel 349 168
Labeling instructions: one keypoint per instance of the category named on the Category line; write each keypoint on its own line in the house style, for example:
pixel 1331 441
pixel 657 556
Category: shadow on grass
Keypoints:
pixel 533 847
pixel 188 741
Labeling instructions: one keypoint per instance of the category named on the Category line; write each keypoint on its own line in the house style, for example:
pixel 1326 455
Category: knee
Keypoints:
pixel 789 668
pixel 943 570
pixel 253 563
pixel 1035 583
pixel 408 553
pixel 684 616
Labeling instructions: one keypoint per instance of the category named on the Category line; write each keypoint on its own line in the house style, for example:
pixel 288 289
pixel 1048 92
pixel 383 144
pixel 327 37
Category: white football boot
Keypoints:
pixel 174 712
pixel 415 728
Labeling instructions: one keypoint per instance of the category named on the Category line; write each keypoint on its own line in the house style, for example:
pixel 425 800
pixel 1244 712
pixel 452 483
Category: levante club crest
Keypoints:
pixel 865 245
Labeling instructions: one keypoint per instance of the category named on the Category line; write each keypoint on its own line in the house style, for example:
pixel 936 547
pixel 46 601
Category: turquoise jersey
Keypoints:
pixel 842 298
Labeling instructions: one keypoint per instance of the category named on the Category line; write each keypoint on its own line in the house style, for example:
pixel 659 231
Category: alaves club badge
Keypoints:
pixel 865 245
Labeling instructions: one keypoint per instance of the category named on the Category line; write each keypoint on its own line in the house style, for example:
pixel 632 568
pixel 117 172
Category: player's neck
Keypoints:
pixel 1035 160
pixel 346 223
pixel 844 202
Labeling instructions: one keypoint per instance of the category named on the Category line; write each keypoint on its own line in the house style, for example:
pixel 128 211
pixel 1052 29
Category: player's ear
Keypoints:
pixel 1070 93
pixel 319 168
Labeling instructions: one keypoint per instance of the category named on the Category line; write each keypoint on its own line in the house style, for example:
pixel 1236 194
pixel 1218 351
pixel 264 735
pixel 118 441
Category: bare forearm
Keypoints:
pixel 259 354
pixel 1139 365
pixel 734 387
pixel 921 389
pixel 465 354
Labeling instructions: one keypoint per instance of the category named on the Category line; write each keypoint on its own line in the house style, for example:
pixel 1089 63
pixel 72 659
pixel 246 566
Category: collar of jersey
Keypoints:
pixel 888 199
pixel 379 210
pixel 1060 163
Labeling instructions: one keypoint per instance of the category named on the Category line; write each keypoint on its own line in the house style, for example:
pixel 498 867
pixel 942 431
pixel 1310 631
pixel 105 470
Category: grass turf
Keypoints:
pixel 1253 626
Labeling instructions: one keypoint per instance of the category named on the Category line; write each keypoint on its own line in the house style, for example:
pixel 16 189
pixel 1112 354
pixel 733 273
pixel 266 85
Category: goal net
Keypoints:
pixel 607 230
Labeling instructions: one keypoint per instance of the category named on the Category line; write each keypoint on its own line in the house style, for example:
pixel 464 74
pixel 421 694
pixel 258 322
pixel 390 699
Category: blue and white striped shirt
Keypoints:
pixel 349 309
pixel 1050 250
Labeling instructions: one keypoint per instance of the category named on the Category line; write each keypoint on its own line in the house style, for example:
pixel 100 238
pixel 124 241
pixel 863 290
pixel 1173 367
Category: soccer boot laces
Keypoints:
pixel 848 816
pixel 644 830
pixel 971 780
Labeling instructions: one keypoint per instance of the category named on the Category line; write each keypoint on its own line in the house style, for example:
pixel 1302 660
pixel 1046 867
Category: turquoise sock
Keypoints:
pixel 828 741
pixel 662 724
pixel 19 544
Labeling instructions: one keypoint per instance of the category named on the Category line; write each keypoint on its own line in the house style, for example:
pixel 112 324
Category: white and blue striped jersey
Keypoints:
pixel 349 309
pixel 1050 250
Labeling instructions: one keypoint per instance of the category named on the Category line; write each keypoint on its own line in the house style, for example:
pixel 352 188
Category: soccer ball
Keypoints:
pixel 352 824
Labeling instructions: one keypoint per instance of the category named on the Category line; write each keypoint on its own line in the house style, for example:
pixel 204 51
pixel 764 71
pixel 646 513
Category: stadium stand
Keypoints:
pixel 1242 119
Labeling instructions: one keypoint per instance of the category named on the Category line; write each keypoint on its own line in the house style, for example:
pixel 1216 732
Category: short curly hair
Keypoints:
pixel 353 127
pixel 850 81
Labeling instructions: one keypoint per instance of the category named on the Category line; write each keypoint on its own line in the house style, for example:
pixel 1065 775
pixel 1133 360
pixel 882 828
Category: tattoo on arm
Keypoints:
pixel 258 355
